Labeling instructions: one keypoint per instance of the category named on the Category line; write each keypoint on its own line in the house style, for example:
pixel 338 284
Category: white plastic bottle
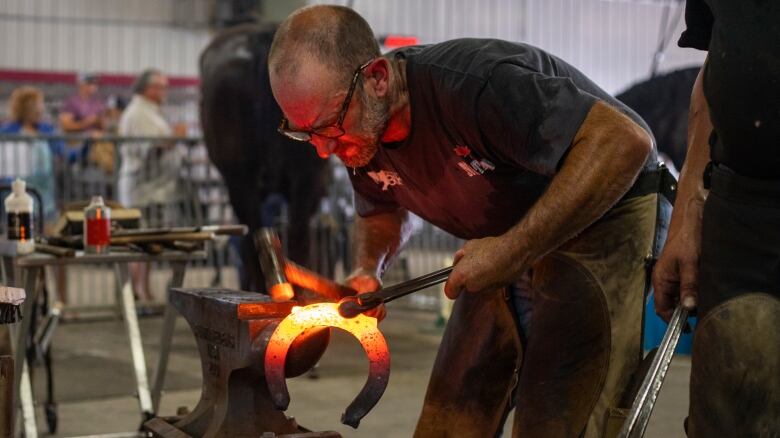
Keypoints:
pixel 20 221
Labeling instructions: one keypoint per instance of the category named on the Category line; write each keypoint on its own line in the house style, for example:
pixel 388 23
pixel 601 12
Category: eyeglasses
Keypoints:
pixel 331 131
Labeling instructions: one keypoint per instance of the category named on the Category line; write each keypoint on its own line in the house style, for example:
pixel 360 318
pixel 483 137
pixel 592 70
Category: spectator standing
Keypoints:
pixel 31 159
pixel 149 174
pixel 83 112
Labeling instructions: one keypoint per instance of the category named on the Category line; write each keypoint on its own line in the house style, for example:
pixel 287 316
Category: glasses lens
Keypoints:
pixel 295 135
pixel 332 131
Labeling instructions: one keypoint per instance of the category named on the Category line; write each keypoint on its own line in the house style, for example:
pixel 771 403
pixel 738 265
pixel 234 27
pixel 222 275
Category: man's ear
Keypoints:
pixel 377 76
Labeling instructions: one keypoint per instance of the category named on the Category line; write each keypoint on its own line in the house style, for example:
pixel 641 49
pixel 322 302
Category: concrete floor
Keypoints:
pixel 95 385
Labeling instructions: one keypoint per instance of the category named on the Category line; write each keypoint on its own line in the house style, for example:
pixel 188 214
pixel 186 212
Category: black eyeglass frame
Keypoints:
pixel 333 131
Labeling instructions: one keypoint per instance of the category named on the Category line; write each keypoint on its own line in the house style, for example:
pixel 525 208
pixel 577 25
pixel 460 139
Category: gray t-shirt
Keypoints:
pixel 491 123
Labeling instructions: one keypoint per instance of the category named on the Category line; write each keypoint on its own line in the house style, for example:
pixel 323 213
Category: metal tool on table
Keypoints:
pixel 222 230
pixel 642 408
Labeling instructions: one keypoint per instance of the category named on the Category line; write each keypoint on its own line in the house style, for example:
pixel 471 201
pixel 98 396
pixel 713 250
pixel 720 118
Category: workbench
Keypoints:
pixel 26 271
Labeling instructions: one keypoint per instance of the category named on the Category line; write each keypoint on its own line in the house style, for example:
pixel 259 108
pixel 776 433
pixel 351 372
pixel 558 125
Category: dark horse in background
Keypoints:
pixel 262 169
pixel 663 101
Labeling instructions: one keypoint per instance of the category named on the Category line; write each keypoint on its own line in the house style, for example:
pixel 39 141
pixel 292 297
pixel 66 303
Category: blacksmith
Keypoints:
pixel 543 173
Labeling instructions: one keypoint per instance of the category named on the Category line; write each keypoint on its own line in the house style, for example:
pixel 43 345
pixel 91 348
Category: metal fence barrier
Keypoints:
pixel 68 170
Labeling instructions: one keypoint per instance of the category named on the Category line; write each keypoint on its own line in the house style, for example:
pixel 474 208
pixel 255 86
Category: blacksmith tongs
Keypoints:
pixel 350 307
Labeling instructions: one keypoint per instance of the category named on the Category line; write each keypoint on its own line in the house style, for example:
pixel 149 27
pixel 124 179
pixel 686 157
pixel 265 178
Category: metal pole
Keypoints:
pixel 166 336
pixel 642 408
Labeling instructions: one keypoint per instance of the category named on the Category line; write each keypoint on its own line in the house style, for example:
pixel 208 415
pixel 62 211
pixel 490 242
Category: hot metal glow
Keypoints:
pixel 282 292
pixel 362 327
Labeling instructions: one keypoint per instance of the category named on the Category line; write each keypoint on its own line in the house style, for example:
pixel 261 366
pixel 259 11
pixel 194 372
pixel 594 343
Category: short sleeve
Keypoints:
pixel 370 199
pixel 530 119
pixel 70 107
pixel 698 25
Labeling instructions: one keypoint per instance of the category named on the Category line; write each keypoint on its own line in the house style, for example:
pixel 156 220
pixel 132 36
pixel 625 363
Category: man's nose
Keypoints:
pixel 324 146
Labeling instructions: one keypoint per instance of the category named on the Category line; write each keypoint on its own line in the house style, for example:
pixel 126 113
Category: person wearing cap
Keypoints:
pixel 83 112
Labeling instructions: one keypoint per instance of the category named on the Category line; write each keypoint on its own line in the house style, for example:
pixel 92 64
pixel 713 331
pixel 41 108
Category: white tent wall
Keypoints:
pixel 110 36
pixel 613 42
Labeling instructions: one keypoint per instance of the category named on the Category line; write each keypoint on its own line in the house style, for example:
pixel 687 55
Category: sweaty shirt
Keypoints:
pixel 491 123
pixel 741 80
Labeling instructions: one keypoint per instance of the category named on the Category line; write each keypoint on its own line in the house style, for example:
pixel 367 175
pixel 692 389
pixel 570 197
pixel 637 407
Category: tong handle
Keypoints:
pixel 370 300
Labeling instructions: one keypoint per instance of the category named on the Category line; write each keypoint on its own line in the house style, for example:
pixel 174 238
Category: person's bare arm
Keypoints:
pixel 675 277
pixel 68 122
pixel 607 154
pixel 377 239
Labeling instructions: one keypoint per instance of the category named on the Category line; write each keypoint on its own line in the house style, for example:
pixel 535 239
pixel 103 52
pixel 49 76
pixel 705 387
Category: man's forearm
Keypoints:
pixel 603 162
pixel 691 192
pixel 378 238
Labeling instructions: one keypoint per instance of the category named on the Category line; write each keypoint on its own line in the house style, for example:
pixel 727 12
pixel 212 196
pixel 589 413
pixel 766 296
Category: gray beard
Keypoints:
pixel 375 117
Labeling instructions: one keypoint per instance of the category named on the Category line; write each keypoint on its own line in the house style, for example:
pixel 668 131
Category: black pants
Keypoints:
pixel 735 372
pixel 740 251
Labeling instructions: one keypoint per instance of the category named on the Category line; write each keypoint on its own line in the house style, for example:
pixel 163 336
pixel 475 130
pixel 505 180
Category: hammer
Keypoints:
pixel 281 274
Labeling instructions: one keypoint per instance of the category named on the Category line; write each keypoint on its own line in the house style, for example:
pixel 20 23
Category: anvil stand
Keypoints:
pixel 232 330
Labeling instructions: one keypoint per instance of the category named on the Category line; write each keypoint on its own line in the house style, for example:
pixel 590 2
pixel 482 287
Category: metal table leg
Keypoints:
pixel 124 295
pixel 19 334
pixel 166 336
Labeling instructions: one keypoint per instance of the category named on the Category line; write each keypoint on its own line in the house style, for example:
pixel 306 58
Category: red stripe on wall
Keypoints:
pixel 41 76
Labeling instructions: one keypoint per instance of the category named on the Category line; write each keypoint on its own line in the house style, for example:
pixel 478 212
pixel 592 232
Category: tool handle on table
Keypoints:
pixel 233 230
pixel 54 250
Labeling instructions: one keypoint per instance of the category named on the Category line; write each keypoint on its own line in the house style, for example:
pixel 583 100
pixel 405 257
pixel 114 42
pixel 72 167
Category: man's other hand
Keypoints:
pixel 364 281
pixel 483 265
pixel 676 274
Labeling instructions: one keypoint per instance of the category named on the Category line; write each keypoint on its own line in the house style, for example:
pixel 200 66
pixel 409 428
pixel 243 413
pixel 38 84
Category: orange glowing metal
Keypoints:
pixel 306 279
pixel 282 292
pixel 362 327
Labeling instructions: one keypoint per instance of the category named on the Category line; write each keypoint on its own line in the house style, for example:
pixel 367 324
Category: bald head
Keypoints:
pixel 336 37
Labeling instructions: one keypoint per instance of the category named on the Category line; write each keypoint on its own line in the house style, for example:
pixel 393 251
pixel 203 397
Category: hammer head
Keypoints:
pixel 269 249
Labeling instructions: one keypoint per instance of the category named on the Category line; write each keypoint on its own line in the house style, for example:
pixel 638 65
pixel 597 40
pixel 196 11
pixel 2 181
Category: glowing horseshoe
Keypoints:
pixel 363 327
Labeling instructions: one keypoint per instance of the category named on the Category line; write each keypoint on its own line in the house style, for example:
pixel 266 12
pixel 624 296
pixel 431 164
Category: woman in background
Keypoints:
pixel 31 159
